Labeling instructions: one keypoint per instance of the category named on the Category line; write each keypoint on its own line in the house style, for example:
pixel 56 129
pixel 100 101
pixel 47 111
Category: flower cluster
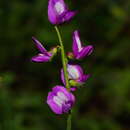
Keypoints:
pixel 60 99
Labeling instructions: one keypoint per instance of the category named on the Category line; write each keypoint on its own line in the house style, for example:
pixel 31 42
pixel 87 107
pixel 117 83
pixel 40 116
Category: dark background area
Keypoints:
pixel 104 101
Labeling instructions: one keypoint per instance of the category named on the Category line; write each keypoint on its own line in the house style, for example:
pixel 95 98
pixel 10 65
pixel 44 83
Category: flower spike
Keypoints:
pixel 43 55
pixel 75 75
pixel 58 12
pixel 79 51
pixel 60 100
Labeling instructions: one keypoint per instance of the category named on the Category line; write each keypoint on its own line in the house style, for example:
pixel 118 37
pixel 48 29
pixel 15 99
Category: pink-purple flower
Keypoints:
pixel 60 100
pixel 43 55
pixel 75 74
pixel 79 51
pixel 58 12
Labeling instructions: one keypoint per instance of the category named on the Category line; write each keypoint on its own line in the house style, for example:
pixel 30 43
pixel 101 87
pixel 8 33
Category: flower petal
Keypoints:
pixel 58 12
pixel 68 94
pixel 84 78
pixel 85 52
pixel 40 46
pixel 76 43
pixel 60 7
pixel 40 58
pixel 51 13
pixel 55 9
pixel 60 99
pixel 54 107
pixel 74 71
pixel 61 89
pixel 73 89
pixel 68 16
pixel 62 76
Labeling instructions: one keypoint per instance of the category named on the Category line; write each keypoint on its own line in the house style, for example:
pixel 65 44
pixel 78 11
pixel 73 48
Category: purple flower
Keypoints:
pixel 79 51
pixel 75 75
pixel 43 55
pixel 58 12
pixel 60 100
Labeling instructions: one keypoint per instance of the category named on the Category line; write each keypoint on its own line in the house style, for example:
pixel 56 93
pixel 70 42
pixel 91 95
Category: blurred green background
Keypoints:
pixel 104 102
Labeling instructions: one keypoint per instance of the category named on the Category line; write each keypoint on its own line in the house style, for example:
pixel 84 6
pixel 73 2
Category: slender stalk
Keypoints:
pixel 69 122
pixel 64 63
pixel 63 57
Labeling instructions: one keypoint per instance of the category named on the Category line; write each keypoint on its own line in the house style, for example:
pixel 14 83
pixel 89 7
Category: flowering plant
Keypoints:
pixel 61 99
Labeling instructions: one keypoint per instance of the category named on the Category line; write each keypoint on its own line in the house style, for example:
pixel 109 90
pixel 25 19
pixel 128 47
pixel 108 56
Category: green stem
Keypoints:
pixel 64 62
pixel 69 122
pixel 63 57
